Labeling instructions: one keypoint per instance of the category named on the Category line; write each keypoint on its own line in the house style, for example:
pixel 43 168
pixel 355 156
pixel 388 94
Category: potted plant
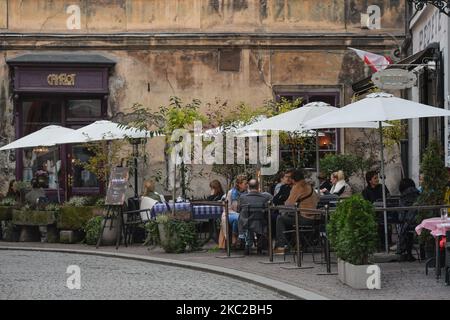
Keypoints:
pixel 74 214
pixel 92 229
pixel 33 219
pixel 352 232
pixel 174 235
pixel 6 206
pixel 435 180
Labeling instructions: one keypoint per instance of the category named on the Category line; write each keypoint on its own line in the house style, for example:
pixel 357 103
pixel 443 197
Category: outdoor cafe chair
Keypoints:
pixel 256 213
pixel 133 217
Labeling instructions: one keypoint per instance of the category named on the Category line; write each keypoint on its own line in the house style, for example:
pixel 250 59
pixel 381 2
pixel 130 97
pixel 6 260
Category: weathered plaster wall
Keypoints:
pixel 202 15
pixel 172 62
pixel 7 166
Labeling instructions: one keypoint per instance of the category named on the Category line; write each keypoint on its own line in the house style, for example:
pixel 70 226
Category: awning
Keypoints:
pixel 60 59
pixel 409 63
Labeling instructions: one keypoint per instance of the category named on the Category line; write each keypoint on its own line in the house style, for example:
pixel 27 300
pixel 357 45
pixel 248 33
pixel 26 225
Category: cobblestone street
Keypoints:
pixel 398 280
pixel 42 275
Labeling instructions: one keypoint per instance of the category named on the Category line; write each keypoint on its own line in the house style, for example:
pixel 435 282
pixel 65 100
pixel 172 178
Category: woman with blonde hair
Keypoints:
pixel 340 187
pixel 149 191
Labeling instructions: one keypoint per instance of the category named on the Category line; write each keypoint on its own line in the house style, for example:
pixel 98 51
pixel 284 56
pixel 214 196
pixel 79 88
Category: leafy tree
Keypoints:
pixel 349 163
pixel 178 115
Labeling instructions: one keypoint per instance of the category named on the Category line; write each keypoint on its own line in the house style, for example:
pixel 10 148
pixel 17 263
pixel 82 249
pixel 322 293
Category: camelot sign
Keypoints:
pixel 62 79
pixel 394 79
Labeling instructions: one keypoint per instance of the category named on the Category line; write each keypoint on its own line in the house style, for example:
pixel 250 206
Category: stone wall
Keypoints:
pixel 172 48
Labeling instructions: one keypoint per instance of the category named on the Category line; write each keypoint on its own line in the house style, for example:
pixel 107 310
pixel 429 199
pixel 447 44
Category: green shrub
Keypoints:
pixel 179 235
pixel 151 228
pixel 77 202
pixel 435 177
pixel 348 163
pixel 352 230
pixel 74 218
pixel 92 229
pixel 8 202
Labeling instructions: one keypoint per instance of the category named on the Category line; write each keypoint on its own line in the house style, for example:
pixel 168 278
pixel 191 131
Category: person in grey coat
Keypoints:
pixel 252 214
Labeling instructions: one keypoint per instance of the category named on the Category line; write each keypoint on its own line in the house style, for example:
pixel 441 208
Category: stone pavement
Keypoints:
pixel 42 275
pixel 406 280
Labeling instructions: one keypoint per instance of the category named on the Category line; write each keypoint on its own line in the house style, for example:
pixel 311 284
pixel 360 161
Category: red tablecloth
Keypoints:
pixel 437 226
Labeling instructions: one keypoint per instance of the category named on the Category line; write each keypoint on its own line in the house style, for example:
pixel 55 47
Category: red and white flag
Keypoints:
pixel 375 61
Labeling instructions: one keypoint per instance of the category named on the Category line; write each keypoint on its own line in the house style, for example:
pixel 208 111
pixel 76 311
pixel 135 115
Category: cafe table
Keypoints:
pixel 438 228
pixel 210 213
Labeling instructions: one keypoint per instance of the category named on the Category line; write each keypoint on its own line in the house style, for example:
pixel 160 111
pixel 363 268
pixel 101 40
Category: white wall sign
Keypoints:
pixel 394 79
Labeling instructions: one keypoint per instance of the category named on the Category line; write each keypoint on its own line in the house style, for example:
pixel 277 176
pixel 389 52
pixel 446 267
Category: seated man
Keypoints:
pixel 304 194
pixel 252 217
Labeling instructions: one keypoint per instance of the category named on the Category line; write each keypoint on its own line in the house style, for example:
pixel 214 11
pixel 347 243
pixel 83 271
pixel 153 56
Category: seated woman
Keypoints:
pixel 216 191
pixel 339 186
pixel 233 196
pixel 149 198
pixel 149 191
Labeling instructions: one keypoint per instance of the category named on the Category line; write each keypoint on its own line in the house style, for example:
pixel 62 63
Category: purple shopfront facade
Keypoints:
pixel 63 89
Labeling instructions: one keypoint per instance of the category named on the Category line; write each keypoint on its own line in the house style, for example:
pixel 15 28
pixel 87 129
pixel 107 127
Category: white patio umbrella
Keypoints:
pixel 45 137
pixel 104 130
pixel 377 107
pixel 294 121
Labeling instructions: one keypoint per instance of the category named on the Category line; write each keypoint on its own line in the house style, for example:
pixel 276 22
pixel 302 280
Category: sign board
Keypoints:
pixel 394 79
pixel 117 187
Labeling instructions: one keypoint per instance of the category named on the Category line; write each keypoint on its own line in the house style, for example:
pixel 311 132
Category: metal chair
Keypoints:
pixel 258 213
pixel 133 218
pixel 310 238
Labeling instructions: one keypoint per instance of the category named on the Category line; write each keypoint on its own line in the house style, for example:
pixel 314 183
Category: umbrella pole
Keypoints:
pixel 174 183
pixel 317 160
pixel 56 175
pixel 383 183
pixel 136 154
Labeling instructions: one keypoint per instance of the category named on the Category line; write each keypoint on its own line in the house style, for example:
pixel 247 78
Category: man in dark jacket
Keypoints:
pixel 405 229
pixel 252 214
pixel 374 190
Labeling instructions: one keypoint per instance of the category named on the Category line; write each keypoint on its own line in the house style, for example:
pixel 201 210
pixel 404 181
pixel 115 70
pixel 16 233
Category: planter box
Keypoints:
pixel 75 218
pixel 33 218
pixel 5 213
pixel 355 276
pixel 70 236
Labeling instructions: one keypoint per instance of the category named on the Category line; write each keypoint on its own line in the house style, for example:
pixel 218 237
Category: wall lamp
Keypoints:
pixel 442 5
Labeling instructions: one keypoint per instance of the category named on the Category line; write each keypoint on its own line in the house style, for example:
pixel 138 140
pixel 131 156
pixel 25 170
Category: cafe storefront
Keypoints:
pixel 58 89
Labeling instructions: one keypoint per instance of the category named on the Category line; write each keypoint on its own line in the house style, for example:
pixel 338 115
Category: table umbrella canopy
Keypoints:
pixel 294 120
pixel 376 107
pixel 104 130
pixel 45 137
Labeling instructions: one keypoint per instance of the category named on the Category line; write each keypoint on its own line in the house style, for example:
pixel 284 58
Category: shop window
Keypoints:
pixel 86 109
pixel 41 165
pixel 82 178
pixel 305 155
pixel 39 114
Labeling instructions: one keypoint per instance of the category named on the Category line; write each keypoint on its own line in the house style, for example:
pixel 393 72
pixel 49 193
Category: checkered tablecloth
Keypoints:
pixel 200 211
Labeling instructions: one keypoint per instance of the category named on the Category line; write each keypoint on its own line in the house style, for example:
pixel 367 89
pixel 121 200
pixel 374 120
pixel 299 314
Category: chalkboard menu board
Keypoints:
pixel 118 183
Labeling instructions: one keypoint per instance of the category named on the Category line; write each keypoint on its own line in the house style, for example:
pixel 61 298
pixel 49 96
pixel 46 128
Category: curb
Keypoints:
pixel 274 285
